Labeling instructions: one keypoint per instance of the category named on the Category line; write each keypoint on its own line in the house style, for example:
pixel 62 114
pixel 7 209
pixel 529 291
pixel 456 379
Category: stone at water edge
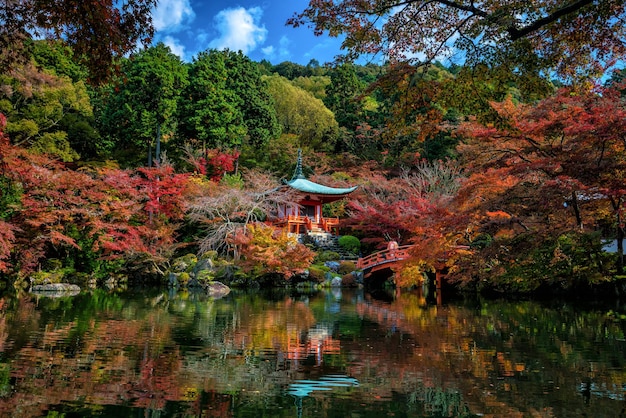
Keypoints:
pixel 55 290
pixel 217 289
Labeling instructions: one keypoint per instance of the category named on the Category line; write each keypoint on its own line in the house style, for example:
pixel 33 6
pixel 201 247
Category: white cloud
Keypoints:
pixel 171 15
pixel 282 53
pixel 239 29
pixel 175 46
pixel 269 51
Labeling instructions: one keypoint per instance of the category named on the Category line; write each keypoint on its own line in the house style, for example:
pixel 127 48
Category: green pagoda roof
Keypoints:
pixel 299 182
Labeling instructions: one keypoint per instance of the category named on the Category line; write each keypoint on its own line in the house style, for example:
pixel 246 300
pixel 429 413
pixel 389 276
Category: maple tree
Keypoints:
pixel 221 211
pixel 573 37
pixel 567 150
pixel 418 208
pixel 264 250
pixel 85 217
pixel 37 103
pixel 83 25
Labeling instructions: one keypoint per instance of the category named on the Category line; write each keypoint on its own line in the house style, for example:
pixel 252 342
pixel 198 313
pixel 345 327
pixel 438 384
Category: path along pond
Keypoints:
pixel 335 353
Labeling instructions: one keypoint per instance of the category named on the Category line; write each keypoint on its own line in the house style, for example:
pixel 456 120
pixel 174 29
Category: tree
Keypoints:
pixel 402 207
pixel 221 211
pixel 539 186
pixel 38 104
pixel 300 113
pixel 141 106
pixel 264 250
pixel 209 110
pixel 99 32
pixel 253 99
pixel 343 96
pixel 573 38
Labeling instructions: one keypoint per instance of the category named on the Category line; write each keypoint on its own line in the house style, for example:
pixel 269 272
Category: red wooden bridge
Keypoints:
pixel 383 259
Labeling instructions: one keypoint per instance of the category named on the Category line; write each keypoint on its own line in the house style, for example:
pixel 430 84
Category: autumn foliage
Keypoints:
pixel 265 251
pixel 96 214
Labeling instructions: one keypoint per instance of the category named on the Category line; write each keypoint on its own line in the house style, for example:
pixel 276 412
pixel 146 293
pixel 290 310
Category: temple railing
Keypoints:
pixel 326 224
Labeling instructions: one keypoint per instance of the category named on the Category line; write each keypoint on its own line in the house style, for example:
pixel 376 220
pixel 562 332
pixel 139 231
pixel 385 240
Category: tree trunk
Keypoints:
pixel 579 220
pixel 620 245
pixel 158 145
pixel 150 154
pixel 620 235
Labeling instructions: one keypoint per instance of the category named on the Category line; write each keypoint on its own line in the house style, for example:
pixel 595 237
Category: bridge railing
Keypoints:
pixel 382 257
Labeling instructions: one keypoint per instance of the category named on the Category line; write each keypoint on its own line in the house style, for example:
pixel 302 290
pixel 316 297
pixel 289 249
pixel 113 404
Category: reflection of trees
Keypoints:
pixel 499 355
pixel 242 352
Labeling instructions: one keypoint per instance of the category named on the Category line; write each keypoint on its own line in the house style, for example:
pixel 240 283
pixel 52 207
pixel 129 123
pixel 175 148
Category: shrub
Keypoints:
pixel 346 267
pixel 323 256
pixel 317 273
pixel 350 243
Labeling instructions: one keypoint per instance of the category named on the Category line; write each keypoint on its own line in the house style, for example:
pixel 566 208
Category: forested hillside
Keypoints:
pixel 506 172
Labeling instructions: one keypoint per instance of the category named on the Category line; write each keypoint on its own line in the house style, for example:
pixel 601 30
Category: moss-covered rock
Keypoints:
pixel 199 273
pixel 317 273
pixel 185 263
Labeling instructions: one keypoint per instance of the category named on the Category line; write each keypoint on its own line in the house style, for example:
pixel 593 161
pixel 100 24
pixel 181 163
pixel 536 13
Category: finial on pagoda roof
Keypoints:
pixel 297 174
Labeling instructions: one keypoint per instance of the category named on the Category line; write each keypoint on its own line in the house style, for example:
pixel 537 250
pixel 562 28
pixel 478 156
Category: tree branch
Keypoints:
pixel 516 33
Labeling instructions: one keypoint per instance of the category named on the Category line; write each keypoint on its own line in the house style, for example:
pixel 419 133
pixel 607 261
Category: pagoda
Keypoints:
pixel 307 216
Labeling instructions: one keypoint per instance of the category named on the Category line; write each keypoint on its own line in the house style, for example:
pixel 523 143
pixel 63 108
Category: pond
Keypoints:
pixel 338 353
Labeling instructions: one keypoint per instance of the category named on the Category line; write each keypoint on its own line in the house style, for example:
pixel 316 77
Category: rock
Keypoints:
pixel 203 265
pixel 56 289
pixel 184 263
pixel 217 290
pixel 332 265
pixel 336 282
pixel 172 280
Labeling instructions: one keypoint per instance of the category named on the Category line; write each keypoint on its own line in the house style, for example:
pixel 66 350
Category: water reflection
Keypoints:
pixel 284 354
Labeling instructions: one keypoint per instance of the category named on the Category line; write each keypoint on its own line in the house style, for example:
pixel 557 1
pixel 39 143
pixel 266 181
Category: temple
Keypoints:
pixel 307 215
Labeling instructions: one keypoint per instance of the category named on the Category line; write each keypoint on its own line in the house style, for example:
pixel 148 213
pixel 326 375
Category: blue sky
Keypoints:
pixel 256 27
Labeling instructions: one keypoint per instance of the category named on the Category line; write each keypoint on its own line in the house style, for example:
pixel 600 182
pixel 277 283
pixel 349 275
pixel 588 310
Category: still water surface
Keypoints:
pixel 329 354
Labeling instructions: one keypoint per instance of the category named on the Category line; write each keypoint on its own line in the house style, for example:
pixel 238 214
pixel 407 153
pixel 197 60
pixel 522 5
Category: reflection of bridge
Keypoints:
pixel 385 259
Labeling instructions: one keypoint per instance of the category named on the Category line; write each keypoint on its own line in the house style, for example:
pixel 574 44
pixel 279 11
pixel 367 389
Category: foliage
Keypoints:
pixel 343 96
pixel 300 113
pixel 534 36
pixel 86 218
pixel 350 243
pixel 551 169
pixel 83 26
pixel 263 250
pixel 394 208
pixel 326 255
pixel 223 212
pixel 253 98
pixel 346 267
pixel 212 163
pixel 226 103
pixel 317 272
pixel 36 103
pixel 139 108
pixel 570 262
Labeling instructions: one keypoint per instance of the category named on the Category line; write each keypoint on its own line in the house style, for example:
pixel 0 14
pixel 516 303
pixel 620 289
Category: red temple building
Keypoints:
pixel 307 215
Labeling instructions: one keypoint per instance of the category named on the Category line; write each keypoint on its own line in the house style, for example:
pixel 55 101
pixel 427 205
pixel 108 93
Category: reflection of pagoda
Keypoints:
pixel 307 215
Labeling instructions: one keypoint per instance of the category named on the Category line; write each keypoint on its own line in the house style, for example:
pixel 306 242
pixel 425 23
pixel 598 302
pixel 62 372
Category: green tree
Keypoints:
pixel 56 56
pixel 291 70
pixel 209 110
pixel 316 85
pixel 300 113
pixel 252 98
pixel 141 107
pixel 343 96
pixel 37 105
